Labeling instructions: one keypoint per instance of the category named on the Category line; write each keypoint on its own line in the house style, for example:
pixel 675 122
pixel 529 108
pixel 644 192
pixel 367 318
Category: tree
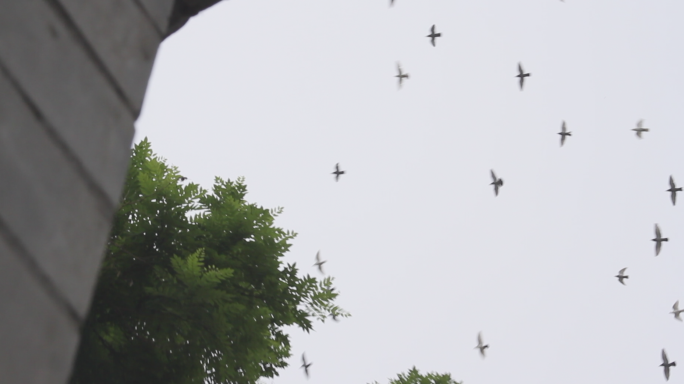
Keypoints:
pixel 192 288
pixel 413 376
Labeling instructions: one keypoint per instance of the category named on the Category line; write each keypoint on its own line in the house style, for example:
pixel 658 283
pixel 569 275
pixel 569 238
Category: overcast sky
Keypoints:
pixel 423 253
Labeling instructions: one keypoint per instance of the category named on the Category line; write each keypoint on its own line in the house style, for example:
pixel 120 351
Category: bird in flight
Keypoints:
pixel 673 191
pixel 666 365
pixel 319 263
pixel 640 129
pixel 658 239
pixel 621 276
pixel 676 311
pixel 305 365
pixel 433 35
pixel 480 346
pixel 401 76
pixel 522 75
pixel 337 172
pixel 496 182
pixel 564 132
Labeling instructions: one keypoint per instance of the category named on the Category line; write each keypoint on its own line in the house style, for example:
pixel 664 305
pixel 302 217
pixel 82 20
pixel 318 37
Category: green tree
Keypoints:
pixel 413 376
pixel 192 288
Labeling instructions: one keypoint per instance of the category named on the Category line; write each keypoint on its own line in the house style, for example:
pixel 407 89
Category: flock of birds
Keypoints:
pixel 498 183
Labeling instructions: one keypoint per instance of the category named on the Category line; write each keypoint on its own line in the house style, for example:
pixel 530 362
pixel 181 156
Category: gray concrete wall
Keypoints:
pixel 73 75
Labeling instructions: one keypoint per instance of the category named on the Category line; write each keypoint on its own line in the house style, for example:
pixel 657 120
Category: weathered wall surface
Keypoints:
pixel 73 75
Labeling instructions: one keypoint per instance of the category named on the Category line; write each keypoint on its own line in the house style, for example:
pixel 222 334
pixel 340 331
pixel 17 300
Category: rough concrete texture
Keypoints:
pixel 37 337
pixel 73 75
pixel 56 73
pixel 65 214
pixel 159 11
pixel 123 50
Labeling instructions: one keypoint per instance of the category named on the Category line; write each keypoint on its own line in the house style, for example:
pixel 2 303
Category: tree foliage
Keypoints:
pixel 413 376
pixel 192 288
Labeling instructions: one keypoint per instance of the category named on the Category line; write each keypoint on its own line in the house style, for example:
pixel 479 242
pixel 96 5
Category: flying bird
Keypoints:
pixel 621 276
pixel 433 35
pixel 305 365
pixel 673 191
pixel 658 239
pixel 676 311
pixel 319 263
pixel 564 132
pixel 639 129
pixel 666 365
pixel 401 76
pixel 337 172
pixel 522 75
pixel 497 183
pixel 480 346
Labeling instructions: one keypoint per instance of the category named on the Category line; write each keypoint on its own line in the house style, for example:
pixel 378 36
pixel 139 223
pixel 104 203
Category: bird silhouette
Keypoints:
pixel 337 172
pixel 497 183
pixel 673 191
pixel 319 263
pixel 433 35
pixel 305 365
pixel 676 311
pixel 522 75
pixel 640 129
pixel 666 365
pixel 401 76
pixel 621 276
pixel 480 345
pixel 564 132
pixel 658 239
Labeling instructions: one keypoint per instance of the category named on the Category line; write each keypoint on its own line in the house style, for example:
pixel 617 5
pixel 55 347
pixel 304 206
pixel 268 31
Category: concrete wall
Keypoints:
pixel 73 75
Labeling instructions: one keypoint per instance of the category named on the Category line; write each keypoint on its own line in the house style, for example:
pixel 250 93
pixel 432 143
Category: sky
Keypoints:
pixel 423 253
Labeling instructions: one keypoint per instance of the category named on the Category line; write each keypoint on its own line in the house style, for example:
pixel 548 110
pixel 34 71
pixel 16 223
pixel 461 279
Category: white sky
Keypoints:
pixel 423 253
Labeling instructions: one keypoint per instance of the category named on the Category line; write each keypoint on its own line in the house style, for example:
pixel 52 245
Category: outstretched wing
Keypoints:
pixel 675 307
pixel 673 196
pixel 493 175
pixel 640 123
pixel 520 70
pixel 622 271
pixel 657 231
pixel 664 356
pixel 672 183
pixel 562 140
pixel 479 339
pixel 563 128
pixel 522 80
